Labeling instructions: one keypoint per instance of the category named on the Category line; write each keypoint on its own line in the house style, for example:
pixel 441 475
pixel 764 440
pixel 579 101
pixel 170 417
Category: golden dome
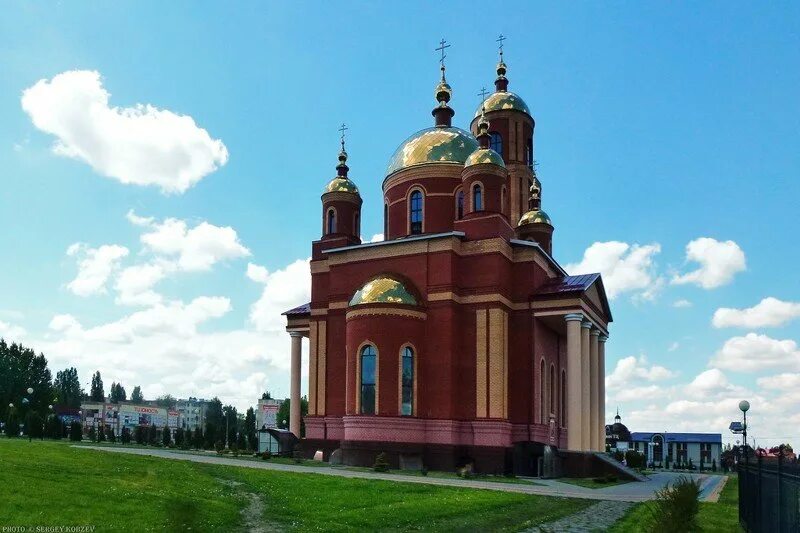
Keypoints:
pixel 484 155
pixel 433 145
pixel 535 217
pixel 383 289
pixel 340 184
pixel 503 100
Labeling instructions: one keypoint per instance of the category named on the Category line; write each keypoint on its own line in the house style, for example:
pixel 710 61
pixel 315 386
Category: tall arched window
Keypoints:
pixel 356 223
pixel 415 212
pixel 496 142
pixel 542 394
pixel 407 382
pixel 563 409
pixel 460 205
pixel 368 370
pixel 477 198
pixel 503 199
pixel 385 221
pixel 330 226
pixel 552 391
pixel 529 153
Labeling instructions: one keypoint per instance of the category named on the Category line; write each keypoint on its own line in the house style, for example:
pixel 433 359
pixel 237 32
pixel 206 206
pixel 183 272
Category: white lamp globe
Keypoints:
pixel 744 405
pixel 30 390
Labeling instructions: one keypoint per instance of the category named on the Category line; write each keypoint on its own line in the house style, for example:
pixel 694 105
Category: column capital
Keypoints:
pixel 586 324
pixel 296 334
pixel 573 317
pixel 595 332
pixel 603 338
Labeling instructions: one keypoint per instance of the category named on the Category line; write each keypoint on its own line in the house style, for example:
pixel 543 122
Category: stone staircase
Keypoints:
pixel 624 470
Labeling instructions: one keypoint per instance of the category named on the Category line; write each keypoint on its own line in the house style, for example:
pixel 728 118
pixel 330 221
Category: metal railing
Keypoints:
pixel 769 495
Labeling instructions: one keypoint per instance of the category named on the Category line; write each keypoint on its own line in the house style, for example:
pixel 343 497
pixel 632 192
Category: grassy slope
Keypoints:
pixel 719 517
pixel 590 483
pixel 51 483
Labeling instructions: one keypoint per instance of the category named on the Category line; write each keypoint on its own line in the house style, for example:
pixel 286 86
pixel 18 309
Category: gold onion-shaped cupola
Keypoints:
pixel 383 289
pixel 535 214
pixel 341 183
pixel 484 155
pixel 502 98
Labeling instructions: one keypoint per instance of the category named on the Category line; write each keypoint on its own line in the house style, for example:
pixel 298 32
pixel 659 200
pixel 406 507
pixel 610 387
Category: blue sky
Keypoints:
pixel 657 125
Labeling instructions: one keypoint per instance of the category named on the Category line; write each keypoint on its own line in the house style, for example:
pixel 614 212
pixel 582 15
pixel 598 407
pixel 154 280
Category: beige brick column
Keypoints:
pixel 574 407
pixel 594 380
pixel 294 391
pixel 586 387
pixel 601 369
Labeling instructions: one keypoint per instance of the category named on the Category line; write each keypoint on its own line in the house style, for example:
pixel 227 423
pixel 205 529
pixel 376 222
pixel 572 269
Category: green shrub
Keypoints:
pixel 92 434
pixel 219 446
pixel 599 480
pixel 713 465
pixel 298 453
pixel 675 507
pixel 166 437
pixel 75 432
pixel 267 455
pixel 424 470
pixel 381 463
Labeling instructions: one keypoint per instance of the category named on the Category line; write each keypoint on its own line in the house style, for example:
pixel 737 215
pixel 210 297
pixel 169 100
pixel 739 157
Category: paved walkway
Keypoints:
pixel 598 517
pixel 628 492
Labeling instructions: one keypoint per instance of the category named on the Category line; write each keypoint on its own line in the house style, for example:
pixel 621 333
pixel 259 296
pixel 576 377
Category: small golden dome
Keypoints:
pixel 503 100
pixel 535 217
pixel 383 289
pixel 483 156
pixel 433 145
pixel 340 184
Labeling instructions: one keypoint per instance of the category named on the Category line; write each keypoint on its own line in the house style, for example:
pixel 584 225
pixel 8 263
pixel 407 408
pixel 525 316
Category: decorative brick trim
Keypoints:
pixel 384 311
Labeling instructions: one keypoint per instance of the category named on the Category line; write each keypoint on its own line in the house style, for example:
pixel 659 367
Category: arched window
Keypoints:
pixel 330 226
pixel 477 198
pixel 503 199
pixel 368 363
pixel 552 391
pixel 356 224
pixel 529 153
pixel 385 221
pixel 415 212
pixel 460 205
pixel 563 410
pixel 496 142
pixel 542 395
pixel 407 382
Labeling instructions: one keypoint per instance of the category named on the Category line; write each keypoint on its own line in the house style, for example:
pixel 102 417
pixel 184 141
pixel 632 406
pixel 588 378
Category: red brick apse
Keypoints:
pixel 458 338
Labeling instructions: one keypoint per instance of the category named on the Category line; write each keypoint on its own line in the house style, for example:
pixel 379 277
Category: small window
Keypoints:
pixel 385 221
pixel 331 223
pixel 477 198
pixel 496 142
pixel 356 224
pixel 368 360
pixel 415 212
pixel 460 205
pixel 529 153
pixel 407 407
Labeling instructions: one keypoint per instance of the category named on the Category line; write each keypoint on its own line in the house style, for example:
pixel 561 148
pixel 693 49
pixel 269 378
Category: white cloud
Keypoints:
pixel 757 352
pixel 625 267
pixel 136 220
pixel 11 332
pixel 195 249
pixel 95 266
pixel 719 262
pixel 257 273
pixel 681 304
pixel 630 369
pixel 786 382
pixel 708 382
pixel 769 312
pixel 134 284
pixel 674 346
pixel 140 145
pixel 283 290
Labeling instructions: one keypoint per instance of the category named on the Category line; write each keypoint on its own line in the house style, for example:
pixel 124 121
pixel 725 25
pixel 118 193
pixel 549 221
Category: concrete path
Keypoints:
pixel 598 517
pixel 628 492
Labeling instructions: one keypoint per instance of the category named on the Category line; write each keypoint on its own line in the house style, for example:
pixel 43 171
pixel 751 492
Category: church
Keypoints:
pixel 458 339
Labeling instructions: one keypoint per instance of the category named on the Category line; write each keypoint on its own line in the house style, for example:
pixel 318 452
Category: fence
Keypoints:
pixel 769 495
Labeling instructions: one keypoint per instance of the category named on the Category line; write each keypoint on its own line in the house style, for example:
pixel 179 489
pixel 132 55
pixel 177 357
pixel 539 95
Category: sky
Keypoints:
pixel 162 165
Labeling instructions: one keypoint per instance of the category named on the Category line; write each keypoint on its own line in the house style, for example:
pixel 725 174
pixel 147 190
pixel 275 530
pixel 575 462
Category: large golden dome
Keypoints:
pixel 503 100
pixel 383 289
pixel 433 145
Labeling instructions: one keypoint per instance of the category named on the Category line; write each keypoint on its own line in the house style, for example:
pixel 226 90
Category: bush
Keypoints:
pixel 55 428
pixel 179 435
pixel 675 507
pixel 635 459
pixel 75 432
pixel 125 437
pixel 424 470
pixel 101 434
pixel 599 480
pixel 219 446
pixel 166 437
pixel 139 434
pixel 298 453
pixel 619 456
pixel 713 465
pixel 92 434
pixel 235 449
pixel 691 466
pixel 152 435
pixel 266 455
pixel 381 463
pixel 110 436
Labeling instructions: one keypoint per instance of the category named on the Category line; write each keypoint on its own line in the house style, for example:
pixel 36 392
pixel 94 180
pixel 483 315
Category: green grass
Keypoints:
pixel 48 483
pixel 590 483
pixel 449 475
pixel 714 517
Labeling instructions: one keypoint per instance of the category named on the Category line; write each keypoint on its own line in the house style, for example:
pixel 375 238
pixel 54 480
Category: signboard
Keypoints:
pixel 269 415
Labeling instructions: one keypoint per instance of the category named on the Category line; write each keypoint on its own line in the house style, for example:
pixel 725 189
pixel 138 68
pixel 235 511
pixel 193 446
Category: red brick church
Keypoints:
pixel 458 338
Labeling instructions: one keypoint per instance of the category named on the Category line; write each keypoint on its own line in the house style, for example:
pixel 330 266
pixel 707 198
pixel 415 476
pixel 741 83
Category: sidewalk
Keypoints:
pixel 628 492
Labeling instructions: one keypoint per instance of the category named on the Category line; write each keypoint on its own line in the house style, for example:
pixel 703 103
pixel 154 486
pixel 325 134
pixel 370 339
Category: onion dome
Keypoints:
pixel 502 98
pixel 341 183
pixel 535 217
pixel 484 154
pixel 535 214
pixel 384 289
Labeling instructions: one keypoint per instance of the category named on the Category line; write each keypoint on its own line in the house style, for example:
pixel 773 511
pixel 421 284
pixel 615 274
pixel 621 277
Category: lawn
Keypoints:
pixel 719 517
pixel 48 483
pixel 590 483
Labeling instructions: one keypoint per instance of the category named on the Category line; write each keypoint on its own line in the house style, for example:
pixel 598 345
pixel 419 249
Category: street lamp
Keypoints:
pixel 30 390
pixel 744 406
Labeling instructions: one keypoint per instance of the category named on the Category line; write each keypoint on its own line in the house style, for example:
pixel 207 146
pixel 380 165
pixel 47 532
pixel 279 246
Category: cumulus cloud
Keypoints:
pixel 625 267
pixel 283 290
pixel 134 284
pixel 681 304
pixel 786 381
pixel 755 352
pixel 95 266
pixel 719 262
pixel 11 332
pixel 140 145
pixel 630 370
pixel 257 273
pixel 769 312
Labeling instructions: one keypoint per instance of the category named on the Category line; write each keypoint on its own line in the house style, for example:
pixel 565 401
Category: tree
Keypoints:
pixel 125 436
pixel 215 424
pixel 20 369
pixel 136 395
pixel 179 436
pixel 75 432
pixel 110 435
pixel 139 434
pixel 285 409
pixel 152 435
pixel 166 436
pixel 12 424
pixel 54 428
pixel 34 425
pixel 101 433
pixel 167 401
pixel 266 395
pixel 118 393
pixel 250 428
pixel 68 391
pixel 231 423
pixel 92 434
pixel 96 393
pixel 198 439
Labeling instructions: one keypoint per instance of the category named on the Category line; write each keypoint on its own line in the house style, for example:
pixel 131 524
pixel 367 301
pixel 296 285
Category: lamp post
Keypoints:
pixel 744 406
